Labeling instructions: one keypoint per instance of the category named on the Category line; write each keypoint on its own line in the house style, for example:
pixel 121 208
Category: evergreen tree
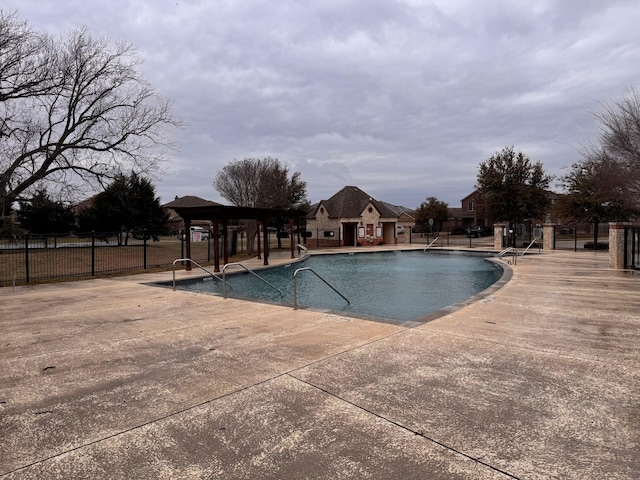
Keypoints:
pixel 128 204
pixel 41 214
pixel 513 189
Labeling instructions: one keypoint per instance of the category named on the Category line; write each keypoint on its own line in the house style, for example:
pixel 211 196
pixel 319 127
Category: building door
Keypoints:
pixel 349 233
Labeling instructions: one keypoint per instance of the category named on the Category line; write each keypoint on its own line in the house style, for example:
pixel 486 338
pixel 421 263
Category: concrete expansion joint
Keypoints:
pixel 404 427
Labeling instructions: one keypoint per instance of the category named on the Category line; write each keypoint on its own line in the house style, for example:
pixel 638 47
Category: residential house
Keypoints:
pixel 471 213
pixel 352 217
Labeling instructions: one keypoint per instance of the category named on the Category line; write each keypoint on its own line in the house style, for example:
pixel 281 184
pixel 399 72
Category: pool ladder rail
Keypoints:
pixel 432 243
pixel 238 264
pixel 514 253
pixel 210 273
pixel 295 285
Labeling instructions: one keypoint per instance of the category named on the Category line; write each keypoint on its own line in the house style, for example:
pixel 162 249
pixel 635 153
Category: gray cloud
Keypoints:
pixel 402 98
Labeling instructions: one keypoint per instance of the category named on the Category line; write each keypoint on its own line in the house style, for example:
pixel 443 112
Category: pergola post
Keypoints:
pixel 216 246
pixel 265 234
pixel 291 238
pixel 258 235
pixel 225 241
pixel 187 239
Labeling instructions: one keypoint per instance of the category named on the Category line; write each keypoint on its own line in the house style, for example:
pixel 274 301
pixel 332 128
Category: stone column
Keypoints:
pixel 549 236
pixel 617 253
pixel 498 235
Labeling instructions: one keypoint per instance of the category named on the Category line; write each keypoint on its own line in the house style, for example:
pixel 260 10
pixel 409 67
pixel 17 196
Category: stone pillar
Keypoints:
pixel 617 253
pixel 498 235
pixel 549 236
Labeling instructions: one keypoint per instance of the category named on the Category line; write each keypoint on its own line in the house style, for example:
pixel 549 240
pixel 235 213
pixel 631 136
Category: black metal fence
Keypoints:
pixel 581 237
pixel 632 247
pixel 46 258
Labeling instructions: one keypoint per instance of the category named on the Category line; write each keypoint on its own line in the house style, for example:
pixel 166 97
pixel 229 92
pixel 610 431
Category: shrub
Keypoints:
pixel 597 246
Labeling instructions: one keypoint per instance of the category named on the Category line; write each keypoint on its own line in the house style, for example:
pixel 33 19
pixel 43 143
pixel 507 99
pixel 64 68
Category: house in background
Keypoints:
pixel 469 214
pixel 352 217
pixel 472 214
pixel 406 222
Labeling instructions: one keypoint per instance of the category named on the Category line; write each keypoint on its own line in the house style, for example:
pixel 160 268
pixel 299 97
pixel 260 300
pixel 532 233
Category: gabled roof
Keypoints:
pixel 471 196
pixel 350 202
pixel 190 201
pixel 399 209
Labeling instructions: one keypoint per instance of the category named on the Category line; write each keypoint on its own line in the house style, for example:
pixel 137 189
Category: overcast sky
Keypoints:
pixel 401 98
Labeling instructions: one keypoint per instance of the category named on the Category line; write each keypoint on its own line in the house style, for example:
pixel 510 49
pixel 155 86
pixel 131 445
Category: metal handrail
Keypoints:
pixel 434 241
pixel 511 250
pixel 194 263
pixel 532 242
pixel 237 264
pixel 295 287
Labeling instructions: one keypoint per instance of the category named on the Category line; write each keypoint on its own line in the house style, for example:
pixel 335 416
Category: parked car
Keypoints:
pixel 476 232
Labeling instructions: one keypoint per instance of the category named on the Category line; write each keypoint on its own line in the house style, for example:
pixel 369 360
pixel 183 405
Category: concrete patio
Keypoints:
pixel 114 378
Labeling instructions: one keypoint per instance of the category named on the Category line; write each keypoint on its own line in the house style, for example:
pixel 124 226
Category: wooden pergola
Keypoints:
pixel 194 208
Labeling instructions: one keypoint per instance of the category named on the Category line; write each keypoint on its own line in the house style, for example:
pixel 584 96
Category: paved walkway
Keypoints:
pixel 113 378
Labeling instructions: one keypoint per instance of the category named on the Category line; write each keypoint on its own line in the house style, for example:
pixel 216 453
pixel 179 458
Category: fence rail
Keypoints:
pixel 46 258
pixel 582 237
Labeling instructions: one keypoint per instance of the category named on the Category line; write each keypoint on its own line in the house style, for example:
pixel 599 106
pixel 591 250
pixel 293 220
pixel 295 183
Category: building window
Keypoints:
pixel 470 206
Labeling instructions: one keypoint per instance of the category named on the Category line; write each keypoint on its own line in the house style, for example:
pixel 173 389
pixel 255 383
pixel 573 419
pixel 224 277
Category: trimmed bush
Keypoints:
pixel 598 246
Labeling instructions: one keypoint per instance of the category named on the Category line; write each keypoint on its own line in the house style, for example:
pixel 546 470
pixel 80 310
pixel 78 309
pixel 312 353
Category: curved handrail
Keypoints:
pixel 295 287
pixel 434 241
pixel 238 264
pixel 197 265
pixel 511 250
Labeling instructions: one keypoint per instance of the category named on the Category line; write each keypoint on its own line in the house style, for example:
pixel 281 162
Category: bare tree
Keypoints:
pixel 89 115
pixel 260 182
pixel 604 185
pixel 620 135
pixel 25 65
pixel 598 189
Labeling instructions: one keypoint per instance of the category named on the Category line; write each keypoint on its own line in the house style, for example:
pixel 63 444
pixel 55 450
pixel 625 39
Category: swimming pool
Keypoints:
pixel 392 286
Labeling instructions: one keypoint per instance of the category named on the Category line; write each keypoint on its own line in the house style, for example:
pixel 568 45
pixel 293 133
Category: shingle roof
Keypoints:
pixel 350 202
pixel 189 201
pixel 399 209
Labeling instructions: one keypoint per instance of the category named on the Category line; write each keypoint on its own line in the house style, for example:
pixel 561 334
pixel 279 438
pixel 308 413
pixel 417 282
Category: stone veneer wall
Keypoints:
pixel 549 236
pixel 617 253
pixel 498 235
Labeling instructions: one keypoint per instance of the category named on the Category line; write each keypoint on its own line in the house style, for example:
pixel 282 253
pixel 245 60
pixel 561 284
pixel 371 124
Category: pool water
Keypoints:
pixel 392 286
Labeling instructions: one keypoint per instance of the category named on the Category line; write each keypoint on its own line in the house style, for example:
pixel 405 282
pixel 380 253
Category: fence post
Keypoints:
pixel 26 256
pixel 144 249
pixel 618 248
pixel 93 253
